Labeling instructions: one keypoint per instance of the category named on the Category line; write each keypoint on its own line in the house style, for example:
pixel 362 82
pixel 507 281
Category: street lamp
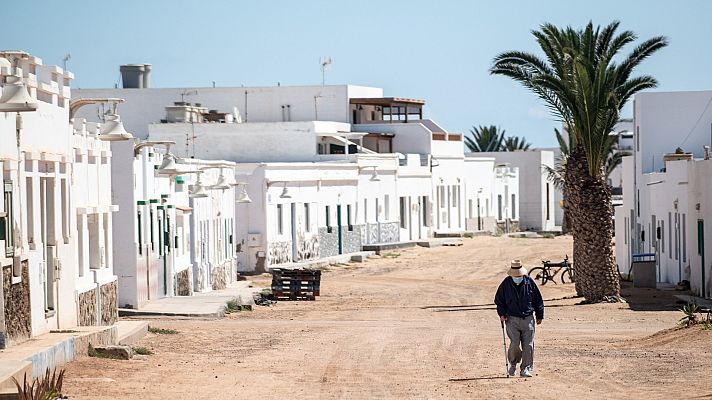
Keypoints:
pixel 168 164
pixel 242 197
pixel 112 129
pixel 198 190
pixel 15 98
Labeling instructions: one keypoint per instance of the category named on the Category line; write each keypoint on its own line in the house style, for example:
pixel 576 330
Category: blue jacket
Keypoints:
pixel 520 301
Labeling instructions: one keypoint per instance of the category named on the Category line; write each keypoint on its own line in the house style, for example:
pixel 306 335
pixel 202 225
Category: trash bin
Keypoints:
pixel 643 268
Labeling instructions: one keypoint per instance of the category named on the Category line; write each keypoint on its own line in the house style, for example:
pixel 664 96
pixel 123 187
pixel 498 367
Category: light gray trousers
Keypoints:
pixel 521 333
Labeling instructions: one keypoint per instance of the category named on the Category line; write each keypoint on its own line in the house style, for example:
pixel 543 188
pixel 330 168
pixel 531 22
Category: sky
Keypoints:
pixel 439 51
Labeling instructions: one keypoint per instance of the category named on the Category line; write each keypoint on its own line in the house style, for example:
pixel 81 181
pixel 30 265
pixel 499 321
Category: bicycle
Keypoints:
pixel 546 272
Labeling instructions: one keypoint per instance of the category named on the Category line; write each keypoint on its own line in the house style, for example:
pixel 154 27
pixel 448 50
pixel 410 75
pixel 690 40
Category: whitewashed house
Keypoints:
pixel 298 212
pixel 492 195
pixel 396 125
pixel 537 205
pixel 665 202
pixel 56 211
pixel 176 225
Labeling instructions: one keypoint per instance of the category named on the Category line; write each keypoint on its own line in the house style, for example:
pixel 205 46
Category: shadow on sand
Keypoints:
pixel 478 378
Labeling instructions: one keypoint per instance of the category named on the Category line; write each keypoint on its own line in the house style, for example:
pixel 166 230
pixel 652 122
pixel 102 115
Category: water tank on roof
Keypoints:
pixel 135 76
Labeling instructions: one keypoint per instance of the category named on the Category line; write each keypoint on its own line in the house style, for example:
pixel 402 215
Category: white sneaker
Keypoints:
pixel 512 370
pixel 526 372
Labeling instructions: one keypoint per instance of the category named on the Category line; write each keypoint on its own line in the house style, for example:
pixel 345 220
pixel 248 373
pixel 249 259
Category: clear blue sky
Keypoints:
pixel 439 51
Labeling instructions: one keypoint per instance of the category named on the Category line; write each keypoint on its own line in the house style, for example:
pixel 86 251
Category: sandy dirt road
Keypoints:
pixel 419 325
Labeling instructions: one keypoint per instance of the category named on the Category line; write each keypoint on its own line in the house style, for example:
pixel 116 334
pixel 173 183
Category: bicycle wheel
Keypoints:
pixel 567 276
pixel 539 275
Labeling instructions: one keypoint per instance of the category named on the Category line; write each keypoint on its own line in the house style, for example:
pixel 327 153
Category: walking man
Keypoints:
pixel 518 302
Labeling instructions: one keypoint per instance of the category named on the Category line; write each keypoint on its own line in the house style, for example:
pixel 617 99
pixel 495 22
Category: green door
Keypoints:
pixel 338 227
pixel 701 250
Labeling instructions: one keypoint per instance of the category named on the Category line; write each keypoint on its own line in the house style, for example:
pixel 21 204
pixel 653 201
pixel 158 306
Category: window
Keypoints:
pixel 140 228
pixel 403 213
pixel 662 233
pixel 670 234
pixel 469 208
pixel 386 207
pixel 514 206
pixel 424 209
pixel 349 225
pixel 280 219
pixel 684 237
pixel 150 220
pixel 307 218
pixel 441 200
pixel 499 207
pixel 29 210
pixel 365 211
pixel 328 219
pixel 80 243
pixel 6 231
pixel 548 211
pixel 378 210
pixel 64 193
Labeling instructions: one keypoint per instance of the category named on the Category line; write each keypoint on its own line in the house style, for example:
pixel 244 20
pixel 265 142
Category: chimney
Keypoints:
pixel 135 76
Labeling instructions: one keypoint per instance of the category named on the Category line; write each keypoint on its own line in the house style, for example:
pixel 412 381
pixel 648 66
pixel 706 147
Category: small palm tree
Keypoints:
pixel 585 88
pixel 485 138
pixel 516 143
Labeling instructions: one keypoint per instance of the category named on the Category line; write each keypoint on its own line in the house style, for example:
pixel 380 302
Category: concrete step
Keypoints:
pixel 378 248
pixel 16 369
pixel 130 332
pixel 50 351
pixel 439 242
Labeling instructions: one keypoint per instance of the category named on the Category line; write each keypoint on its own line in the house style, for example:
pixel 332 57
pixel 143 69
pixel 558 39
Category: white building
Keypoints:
pixel 537 206
pixel 492 195
pixel 153 233
pixel 56 212
pixel 664 191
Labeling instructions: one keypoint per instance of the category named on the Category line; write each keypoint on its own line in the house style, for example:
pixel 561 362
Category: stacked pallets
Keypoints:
pixel 295 284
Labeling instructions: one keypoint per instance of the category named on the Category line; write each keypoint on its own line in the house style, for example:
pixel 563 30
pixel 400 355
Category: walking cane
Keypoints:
pixel 504 345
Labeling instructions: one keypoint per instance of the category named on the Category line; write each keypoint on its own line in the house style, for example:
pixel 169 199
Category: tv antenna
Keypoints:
pixel 66 58
pixel 186 92
pixel 324 62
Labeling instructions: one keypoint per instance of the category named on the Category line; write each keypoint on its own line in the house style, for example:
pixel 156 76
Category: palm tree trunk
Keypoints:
pixel 590 210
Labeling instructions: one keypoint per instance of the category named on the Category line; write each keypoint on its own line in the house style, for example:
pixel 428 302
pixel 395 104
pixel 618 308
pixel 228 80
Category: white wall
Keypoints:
pixel 248 142
pixel 533 181
pixel 262 104
pixel 700 209
pixel 667 120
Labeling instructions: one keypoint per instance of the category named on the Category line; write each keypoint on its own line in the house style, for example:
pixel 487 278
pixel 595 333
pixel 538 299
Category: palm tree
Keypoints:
pixel 585 88
pixel 516 143
pixel 485 138
pixel 557 173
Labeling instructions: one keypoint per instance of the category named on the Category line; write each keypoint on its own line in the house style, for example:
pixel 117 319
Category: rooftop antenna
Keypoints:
pixel 186 92
pixel 66 58
pixel 324 62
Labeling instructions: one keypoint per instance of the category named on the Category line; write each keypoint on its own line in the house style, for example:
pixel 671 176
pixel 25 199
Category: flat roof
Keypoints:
pixel 385 101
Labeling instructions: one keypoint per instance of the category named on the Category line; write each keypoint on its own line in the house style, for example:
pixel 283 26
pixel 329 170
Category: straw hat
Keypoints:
pixel 516 269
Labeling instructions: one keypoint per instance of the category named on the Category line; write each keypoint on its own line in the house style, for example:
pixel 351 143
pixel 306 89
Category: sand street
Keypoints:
pixel 414 324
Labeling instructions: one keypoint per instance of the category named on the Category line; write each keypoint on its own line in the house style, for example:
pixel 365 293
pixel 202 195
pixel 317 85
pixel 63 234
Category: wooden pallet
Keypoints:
pixel 295 284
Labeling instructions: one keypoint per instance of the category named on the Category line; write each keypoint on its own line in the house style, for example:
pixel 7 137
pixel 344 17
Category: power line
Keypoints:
pixel 697 122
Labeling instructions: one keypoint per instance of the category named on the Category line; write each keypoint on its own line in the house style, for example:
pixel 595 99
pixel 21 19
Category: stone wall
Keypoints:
pixel 109 303
pixel 385 232
pixel 350 240
pixel 502 227
pixel 328 242
pixel 183 286
pixel 18 314
pixel 220 277
pixel 308 248
pixel 87 308
pixel 280 252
